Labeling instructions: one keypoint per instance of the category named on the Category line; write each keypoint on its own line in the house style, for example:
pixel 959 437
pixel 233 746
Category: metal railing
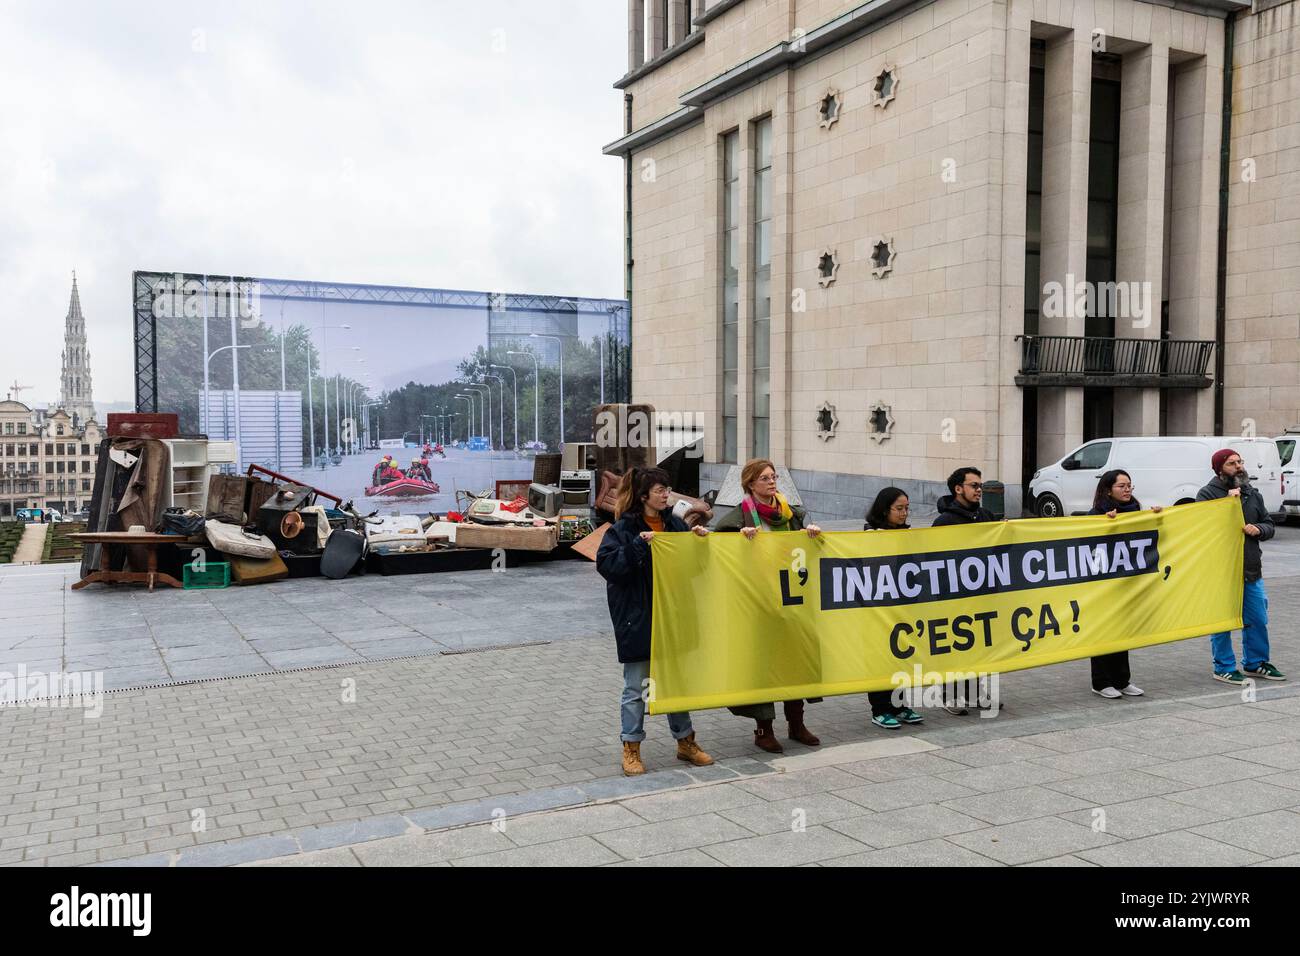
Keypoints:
pixel 1079 359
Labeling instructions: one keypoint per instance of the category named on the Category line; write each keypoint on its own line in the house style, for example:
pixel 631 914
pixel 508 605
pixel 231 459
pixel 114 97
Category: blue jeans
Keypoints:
pixel 635 674
pixel 1254 633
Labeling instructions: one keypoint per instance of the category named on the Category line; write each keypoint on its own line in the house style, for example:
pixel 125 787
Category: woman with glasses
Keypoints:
pixel 889 512
pixel 1110 672
pixel 764 509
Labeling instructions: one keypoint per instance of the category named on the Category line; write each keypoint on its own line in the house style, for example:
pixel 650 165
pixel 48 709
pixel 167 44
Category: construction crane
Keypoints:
pixel 15 388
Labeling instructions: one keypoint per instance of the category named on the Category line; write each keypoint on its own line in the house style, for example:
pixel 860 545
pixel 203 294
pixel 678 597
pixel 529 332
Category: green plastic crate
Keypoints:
pixel 215 574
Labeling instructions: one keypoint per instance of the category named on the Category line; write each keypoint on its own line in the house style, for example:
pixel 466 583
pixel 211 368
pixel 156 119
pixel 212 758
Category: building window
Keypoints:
pixel 9 450
pixel 49 449
pixel 762 301
pixel 828 109
pixel 49 487
pixel 827 421
pixel 34 449
pixel 827 265
pixel 85 484
pixel 60 430
pixel 730 289
pixel 886 86
pixel 85 449
pixel 59 449
pixel 22 428
pixel 9 428
pixel 49 467
pixel 882 256
pixel 85 466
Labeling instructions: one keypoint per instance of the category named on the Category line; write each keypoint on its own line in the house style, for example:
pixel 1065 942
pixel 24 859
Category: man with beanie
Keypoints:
pixel 1231 481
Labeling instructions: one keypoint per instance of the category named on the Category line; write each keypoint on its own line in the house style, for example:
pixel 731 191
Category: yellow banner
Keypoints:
pixel 786 616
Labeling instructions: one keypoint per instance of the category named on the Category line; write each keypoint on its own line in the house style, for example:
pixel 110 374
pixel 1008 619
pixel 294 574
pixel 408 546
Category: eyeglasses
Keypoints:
pixel 766 478
pixel 1122 487
pixel 974 485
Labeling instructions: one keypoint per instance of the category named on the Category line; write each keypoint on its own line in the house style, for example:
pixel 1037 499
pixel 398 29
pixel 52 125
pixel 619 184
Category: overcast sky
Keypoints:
pixel 423 143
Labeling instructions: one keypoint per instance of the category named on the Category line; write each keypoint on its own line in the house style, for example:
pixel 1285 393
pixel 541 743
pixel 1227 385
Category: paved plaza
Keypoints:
pixel 467 719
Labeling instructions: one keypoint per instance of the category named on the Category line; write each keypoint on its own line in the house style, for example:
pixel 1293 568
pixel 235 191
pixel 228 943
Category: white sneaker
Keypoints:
pixel 1132 690
pixel 1110 693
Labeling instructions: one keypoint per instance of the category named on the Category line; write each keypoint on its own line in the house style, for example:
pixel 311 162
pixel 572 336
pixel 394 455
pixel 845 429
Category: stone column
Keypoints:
pixel 635 34
pixel 1140 239
pixel 1193 228
pixel 1066 111
pixel 678 28
pixel 656 26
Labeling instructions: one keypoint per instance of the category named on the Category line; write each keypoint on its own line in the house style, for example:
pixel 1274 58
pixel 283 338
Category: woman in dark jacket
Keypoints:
pixel 889 513
pixel 1110 672
pixel 623 560
pixel 764 509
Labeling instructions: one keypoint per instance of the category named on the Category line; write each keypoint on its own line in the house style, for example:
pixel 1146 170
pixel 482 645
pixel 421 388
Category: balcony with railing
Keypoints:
pixel 1114 362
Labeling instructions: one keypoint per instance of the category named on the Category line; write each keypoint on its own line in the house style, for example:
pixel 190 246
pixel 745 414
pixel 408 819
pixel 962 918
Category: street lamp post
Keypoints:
pixel 514 387
pixel 206 404
pixel 325 377
pixel 468 421
pixel 487 420
pixel 501 384
pixel 560 341
pixel 537 391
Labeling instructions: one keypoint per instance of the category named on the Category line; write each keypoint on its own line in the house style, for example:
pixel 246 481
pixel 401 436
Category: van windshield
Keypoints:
pixel 1286 449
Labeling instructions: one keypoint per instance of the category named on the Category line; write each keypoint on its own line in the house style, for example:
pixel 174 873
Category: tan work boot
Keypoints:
pixel 689 750
pixel 632 765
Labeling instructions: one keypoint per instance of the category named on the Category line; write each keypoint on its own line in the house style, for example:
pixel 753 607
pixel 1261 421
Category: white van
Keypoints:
pixel 1165 471
pixel 1290 479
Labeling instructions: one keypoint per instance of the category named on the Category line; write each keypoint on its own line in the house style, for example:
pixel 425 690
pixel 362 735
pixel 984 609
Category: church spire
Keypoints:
pixel 76 397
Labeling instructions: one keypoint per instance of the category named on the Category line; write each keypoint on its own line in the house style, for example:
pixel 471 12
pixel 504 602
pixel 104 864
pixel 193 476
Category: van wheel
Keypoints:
pixel 1184 501
pixel 1049 506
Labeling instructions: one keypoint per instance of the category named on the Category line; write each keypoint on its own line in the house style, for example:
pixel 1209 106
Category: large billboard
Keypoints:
pixel 456 389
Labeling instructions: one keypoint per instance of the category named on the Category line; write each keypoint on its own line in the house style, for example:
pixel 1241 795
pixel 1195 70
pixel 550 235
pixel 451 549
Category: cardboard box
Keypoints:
pixel 510 537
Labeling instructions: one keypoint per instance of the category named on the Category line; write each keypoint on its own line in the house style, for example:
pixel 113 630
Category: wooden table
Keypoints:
pixel 150 542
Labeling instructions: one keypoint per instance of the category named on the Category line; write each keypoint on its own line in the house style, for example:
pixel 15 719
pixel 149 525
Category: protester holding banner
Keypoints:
pixel 889 513
pixel 1111 677
pixel 765 509
pixel 962 506
pixel 1230 480
pixel 623 560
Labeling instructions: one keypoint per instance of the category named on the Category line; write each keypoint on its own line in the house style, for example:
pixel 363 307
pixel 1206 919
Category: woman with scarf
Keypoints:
pixel 765 509
pixel 889 512
pixel 1110 672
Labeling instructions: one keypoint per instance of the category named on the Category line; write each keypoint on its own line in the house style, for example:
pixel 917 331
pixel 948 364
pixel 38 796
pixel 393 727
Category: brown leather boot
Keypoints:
pixel 794 718
pixel 689 750
pixel 632 765
pixel 765 739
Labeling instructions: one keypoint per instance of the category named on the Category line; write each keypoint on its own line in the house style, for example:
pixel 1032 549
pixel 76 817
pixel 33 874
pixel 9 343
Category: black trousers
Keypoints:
pixel 1110 670
pixel 882 703
pixel 965 693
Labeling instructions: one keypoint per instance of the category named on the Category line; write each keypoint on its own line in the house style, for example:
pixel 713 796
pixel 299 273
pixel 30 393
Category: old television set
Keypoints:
pixel 544 500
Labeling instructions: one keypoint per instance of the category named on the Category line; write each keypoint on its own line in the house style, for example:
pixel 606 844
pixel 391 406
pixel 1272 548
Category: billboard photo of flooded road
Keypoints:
pixel 392 397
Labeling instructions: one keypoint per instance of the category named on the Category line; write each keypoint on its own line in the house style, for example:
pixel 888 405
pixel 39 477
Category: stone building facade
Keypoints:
pixel 875 241
pixel 48 463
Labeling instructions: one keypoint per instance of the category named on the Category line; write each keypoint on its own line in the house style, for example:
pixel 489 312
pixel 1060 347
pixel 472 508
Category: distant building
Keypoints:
pixel 45 465
pixel 75 388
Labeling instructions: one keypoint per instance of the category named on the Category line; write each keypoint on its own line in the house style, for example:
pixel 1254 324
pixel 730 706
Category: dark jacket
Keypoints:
pixel 734 519
pixel 1255 512
pixel 1132 505
pixel 950 512
pixel 623 560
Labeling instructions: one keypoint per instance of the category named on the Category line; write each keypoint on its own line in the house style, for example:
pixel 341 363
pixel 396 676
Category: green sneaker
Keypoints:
pixel 908 716
pixel 1232 677
pixel 1267 671
pixel 886 722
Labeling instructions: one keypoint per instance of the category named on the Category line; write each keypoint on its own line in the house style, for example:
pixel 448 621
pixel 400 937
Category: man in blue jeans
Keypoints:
pixel 1231 481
